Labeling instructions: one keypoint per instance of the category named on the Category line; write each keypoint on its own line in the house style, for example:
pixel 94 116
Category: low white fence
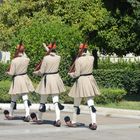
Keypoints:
pixel 114 58
pixel 4 57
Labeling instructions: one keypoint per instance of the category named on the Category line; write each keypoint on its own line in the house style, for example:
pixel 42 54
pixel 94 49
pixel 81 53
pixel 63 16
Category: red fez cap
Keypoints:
pixel 52 46
pixel 83 46
pixel 20 48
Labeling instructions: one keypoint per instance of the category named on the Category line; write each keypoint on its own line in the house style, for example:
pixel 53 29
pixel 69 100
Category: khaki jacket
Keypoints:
pixel 21 83
pixel 51 82
pixel 85 86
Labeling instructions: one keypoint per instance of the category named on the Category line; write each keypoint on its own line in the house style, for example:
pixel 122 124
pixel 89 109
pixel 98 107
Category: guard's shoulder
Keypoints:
pixel 46 57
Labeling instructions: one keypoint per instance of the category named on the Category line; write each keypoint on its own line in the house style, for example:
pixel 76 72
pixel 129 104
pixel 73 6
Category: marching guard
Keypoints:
pixel 21 83
pixel 84 86
pixel 50 84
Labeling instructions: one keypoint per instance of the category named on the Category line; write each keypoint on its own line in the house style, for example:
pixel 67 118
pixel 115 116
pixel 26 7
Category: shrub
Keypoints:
pixel 6 98
pixel 126 79
pixel 34 97
pixel 109 95
pixel 3 69
pixel 64 98
pixel 4 88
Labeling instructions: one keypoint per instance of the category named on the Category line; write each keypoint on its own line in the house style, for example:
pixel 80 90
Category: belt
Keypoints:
pixel 86 74
pixel 83 75
pixel 13 77
pixel 45 78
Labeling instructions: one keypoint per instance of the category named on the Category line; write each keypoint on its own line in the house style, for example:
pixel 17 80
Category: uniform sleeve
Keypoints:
pixel 77 70
pixel 12 68
pixel 28 60
pixel 43 67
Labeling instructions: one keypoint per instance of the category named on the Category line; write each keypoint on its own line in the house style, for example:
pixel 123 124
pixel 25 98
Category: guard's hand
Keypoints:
pixel 44 45
pixel 70 74
pixel 35 72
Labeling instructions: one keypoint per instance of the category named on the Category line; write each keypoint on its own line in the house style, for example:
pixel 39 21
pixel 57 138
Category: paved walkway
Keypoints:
pixel 109 127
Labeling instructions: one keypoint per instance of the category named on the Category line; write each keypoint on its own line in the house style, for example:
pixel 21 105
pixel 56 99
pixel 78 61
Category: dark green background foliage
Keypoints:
pixel 110 25
pixel 127 79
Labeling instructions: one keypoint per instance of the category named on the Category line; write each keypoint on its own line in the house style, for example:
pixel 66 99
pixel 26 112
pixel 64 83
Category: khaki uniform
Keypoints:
pixel 21 82
pixel 51 82
pixel 85 86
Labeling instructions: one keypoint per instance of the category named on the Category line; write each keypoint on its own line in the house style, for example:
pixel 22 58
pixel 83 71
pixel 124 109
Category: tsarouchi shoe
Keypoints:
pixel 57 123
pixel 93 126
pixel 26 119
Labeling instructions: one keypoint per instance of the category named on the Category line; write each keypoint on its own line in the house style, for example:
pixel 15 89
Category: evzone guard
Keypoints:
pixel 50 84
pixel 21 83
pixel 84 86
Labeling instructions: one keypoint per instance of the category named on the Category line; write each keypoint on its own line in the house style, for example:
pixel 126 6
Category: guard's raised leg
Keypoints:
pixel 90 102
pixel 58 107
pixel 27 105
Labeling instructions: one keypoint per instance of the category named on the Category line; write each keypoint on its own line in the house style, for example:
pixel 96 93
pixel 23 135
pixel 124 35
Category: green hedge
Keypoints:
pixel 107 96
pixel 3 69
pixel 4 88
pixel 127 79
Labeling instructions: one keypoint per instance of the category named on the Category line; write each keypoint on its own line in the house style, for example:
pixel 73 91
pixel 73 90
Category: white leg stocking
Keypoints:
pixel 26 106
pixel 55 99
pixel 90 103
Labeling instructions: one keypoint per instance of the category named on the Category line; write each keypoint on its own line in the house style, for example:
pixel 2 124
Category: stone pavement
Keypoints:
pixel 109 126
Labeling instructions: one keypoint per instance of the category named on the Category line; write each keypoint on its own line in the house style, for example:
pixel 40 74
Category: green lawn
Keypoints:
pixel 134 105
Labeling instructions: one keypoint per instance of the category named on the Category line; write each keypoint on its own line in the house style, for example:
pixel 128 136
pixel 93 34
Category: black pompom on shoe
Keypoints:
pixel 66 118
pixel 68 122
pixel 33 116
pixel 6 114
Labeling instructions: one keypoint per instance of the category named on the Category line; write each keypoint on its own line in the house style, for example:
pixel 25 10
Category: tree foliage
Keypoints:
pixel 110 25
